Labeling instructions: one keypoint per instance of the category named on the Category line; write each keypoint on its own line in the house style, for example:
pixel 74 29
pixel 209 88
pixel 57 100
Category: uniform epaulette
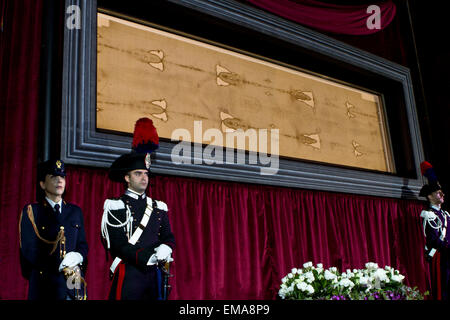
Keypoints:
pixel 113 204
pixel 161 205
pixel 428 215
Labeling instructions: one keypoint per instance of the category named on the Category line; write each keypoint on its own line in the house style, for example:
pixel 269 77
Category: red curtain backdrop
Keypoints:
pixel 235 241
pixel 20 44
pixel 334 18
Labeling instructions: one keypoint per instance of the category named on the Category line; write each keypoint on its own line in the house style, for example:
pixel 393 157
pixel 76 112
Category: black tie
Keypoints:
pixel 56 207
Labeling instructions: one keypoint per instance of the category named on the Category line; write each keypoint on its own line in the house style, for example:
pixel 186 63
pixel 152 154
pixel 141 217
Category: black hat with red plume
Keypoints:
pixel 145 141
pixel 433 184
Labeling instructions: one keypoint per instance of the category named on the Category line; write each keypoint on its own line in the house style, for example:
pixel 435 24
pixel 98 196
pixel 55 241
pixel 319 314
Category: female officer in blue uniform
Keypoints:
pixel 52 239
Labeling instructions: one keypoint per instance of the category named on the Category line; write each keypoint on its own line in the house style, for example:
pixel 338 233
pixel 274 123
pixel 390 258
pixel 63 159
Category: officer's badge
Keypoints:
pixel 147 161
pixel 58 164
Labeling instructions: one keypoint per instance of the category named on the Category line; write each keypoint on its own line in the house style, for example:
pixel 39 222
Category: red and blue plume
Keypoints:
pixel 145 136
pixel 427 171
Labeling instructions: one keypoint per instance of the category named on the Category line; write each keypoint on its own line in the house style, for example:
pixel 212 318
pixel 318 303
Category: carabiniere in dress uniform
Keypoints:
pixel 135 227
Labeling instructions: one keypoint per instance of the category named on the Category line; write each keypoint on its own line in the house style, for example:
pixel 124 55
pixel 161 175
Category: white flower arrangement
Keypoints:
pixel 372 283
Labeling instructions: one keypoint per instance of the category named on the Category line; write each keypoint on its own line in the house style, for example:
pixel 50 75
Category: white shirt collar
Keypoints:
pixel 52 203
pixel 133 194
pixel 436 208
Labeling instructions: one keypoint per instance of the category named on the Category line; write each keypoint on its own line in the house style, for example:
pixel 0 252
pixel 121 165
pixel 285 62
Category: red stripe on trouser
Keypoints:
pixel 436 275
pixel 112 283
pixel 121 267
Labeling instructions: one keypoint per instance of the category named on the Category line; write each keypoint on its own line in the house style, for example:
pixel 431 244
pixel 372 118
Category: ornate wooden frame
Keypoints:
pixel 82 144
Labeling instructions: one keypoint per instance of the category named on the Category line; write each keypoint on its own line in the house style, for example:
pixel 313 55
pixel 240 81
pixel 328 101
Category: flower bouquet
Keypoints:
pixel 372 283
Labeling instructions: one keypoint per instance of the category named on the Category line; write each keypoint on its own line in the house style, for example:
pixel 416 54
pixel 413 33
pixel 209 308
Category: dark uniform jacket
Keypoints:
pixel 133 278
pixel 38 265
pixel 434 241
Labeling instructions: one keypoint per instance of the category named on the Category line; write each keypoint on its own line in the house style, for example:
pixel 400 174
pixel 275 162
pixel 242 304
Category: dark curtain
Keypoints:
pixel 20 44
pixel 327 17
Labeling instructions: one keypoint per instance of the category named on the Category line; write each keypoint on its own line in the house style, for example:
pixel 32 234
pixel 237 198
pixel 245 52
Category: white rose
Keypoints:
pixel 381 275
pixel 346 283
pixel 363 280
pixel 294 270
pixel 328 275
pixel 284 280
pixel 396 278
pixel 290 275
pixel 309 276
pixel 302 286
pixel 320 266
pixel 283 292
pixel 307 264
pixel 310 289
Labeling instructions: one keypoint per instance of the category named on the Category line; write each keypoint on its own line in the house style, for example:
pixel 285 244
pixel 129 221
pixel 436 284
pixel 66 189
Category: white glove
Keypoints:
pixel 163 252
pixel 70 260
pixel 152 260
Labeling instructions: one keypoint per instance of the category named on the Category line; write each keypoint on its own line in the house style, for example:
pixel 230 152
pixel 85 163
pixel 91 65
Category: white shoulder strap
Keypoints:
pixel 145 219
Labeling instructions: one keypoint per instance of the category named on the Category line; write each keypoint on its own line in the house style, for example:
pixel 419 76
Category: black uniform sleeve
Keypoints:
pixel 166 236
pixel 28 243
pixel 81 244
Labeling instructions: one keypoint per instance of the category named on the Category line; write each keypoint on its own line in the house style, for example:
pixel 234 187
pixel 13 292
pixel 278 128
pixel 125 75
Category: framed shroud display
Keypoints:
pixel 323 122
pixel 181 83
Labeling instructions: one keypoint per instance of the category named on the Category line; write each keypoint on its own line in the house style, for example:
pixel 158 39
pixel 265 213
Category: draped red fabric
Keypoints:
pixel 335 18
pixel 236 241
pixel 20 44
